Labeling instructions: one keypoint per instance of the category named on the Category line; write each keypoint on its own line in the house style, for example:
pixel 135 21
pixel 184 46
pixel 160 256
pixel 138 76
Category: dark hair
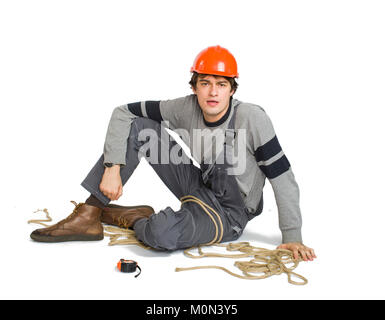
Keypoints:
pixel 196 75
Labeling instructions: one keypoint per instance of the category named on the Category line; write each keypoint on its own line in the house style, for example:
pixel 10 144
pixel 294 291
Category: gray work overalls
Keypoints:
pixel 191 225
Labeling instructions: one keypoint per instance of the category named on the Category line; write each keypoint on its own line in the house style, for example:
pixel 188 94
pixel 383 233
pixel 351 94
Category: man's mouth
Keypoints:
pixel 212 103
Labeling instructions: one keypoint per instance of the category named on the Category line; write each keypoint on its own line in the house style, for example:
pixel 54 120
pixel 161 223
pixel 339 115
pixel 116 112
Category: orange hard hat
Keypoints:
pixel 216 61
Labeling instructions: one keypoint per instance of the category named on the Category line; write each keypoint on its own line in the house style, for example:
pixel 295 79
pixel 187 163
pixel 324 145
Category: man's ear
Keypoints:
pixel 193 89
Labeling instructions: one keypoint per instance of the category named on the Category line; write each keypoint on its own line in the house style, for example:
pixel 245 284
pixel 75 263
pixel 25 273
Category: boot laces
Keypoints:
pixel 74 212
pixel 123 223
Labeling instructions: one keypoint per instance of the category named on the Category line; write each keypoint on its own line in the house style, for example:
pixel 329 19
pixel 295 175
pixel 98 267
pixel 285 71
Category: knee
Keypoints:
pixel 160 231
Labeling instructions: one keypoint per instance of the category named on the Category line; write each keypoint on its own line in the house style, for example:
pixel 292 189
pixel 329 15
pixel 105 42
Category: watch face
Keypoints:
pixel 108 165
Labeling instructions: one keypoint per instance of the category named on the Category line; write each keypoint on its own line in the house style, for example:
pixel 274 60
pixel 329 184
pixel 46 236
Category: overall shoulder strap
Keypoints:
pixel 230 131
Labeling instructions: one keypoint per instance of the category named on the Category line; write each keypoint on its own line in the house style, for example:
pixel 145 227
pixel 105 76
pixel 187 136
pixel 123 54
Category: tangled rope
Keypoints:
pixel 265 262
pixel 115 233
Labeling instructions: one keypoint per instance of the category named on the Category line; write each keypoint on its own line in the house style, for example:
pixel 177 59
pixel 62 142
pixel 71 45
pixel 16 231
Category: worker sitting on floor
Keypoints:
pixel 237 149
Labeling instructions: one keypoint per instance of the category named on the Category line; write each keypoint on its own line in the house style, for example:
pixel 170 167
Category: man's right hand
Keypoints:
pixel 111 184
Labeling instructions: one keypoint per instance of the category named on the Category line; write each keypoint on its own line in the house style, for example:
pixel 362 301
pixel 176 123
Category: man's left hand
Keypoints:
pixel 298 248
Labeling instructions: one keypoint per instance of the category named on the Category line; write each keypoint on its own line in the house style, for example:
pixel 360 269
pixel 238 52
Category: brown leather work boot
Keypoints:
pixel 83 224
pixel 125 217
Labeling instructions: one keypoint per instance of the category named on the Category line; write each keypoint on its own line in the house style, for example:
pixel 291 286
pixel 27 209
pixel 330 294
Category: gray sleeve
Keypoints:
pixel 166 112
pixel 286 194
pixel 276 167
pixel 119 127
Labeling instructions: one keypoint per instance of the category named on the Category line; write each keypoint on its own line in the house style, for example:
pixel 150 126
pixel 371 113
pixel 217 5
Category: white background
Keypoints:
pixel 316 67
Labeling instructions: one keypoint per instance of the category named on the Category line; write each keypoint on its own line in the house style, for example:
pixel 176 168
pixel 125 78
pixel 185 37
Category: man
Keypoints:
pixel 220 197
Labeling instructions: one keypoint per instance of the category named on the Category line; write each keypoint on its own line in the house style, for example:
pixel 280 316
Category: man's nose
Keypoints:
pixel 213 91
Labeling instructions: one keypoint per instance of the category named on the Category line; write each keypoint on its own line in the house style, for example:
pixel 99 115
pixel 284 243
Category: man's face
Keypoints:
pixel 213 93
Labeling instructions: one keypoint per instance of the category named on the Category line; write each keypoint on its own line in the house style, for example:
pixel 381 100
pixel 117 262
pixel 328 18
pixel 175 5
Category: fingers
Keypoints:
pixel 292 247
pixel 313 253
pixel 307 254
pixel 110 190
pixel 116 195
pixel 295 253
pixel 298 249
pixel 111 184
pixel 303 254
pixel 112 195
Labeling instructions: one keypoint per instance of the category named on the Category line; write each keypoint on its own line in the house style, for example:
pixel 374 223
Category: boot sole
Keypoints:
pixel 74 237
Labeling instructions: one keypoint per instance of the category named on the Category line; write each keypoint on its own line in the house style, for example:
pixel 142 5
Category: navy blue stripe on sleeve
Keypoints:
pixel 153 110
pixel 135 109
pixel 276 168
pixel 268 150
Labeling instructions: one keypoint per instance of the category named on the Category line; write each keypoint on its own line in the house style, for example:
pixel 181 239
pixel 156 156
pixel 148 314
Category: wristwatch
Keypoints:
pixel 108 164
